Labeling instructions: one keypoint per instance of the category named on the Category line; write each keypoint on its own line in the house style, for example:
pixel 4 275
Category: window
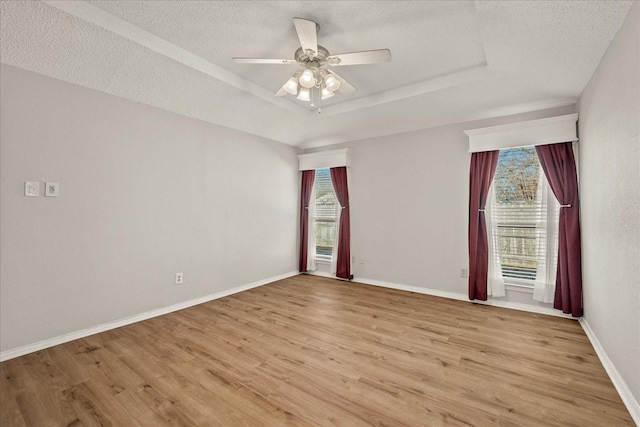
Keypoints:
pixel 523 212
pixel 325 214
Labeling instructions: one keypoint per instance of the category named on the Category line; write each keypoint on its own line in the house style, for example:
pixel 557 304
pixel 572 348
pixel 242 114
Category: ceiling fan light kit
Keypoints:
pixel 307 79
pixel 304 94
pixel 314 58
pixel 332 83
pixel 326 93
pixel 291 86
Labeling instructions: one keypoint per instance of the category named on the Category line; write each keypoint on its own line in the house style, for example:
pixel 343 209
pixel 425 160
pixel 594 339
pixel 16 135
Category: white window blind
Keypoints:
pixel 326 213
pixel 523 214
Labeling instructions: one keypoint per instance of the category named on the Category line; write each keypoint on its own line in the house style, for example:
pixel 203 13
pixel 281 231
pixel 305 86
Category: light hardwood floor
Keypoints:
pixel 316 352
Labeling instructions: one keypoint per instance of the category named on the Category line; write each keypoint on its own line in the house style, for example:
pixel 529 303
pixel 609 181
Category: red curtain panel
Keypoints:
pixel 339 180
pixel 308 178
pixel 559 165
pixel 483 167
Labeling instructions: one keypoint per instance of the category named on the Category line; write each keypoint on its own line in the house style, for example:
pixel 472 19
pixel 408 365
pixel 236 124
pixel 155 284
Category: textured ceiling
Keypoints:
pixel 452 60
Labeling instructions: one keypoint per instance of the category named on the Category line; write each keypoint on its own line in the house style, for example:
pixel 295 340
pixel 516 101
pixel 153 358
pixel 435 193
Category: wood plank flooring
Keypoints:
pixel 310 351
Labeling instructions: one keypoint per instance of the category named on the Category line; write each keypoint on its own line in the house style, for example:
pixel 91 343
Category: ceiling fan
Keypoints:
pixel 314 59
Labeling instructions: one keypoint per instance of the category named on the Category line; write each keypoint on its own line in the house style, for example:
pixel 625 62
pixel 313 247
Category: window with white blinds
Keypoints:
pixel 325 214
pixel 523 210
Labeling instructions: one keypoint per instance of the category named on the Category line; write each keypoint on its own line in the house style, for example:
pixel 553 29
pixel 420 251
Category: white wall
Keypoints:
pixel 409 206
pixel 143 194
pixel 609 129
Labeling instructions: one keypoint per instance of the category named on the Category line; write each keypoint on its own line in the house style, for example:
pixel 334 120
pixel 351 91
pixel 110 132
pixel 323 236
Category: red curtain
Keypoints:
pixel 483 167
pixel 307 185
pixel 339 180
pixel 559 167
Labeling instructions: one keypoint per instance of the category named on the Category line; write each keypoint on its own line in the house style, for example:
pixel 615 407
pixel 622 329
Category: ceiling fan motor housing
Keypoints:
pixel 305 59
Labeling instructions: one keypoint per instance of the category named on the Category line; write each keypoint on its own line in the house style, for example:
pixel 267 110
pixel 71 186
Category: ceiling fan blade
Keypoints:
pixel 377 56
pixel 345 87
pixel 263 61
pixel 281 92
pixel 307 33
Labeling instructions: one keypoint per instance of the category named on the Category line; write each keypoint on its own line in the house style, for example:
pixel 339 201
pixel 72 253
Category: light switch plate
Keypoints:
pixel 51 189
pixel 31 188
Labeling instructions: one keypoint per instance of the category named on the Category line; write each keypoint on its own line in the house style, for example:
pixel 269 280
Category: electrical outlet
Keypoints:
pixel 361 260
pixel 464 273
pixel 179 278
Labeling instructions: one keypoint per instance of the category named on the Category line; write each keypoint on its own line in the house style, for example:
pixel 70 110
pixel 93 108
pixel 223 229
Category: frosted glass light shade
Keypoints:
pixel 306 79
pixel 303 95
pixel 326 93
pixel 332 83
pixel 291 86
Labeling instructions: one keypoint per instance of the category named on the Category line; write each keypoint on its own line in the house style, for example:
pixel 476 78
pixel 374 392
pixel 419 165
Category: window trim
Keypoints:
pixel 519 283
pixel 550 130
pixel 517 287
pixel 324 159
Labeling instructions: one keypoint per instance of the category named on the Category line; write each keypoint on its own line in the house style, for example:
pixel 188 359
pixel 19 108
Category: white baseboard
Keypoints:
pixel 410 288
pixel 41 345
pixel 549 311
pixel 633 406
pixel 463 297
pixel 321 274
pixel 325 274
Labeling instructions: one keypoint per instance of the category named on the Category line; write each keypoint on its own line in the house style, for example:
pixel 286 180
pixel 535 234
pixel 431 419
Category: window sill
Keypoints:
pixel 517 287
